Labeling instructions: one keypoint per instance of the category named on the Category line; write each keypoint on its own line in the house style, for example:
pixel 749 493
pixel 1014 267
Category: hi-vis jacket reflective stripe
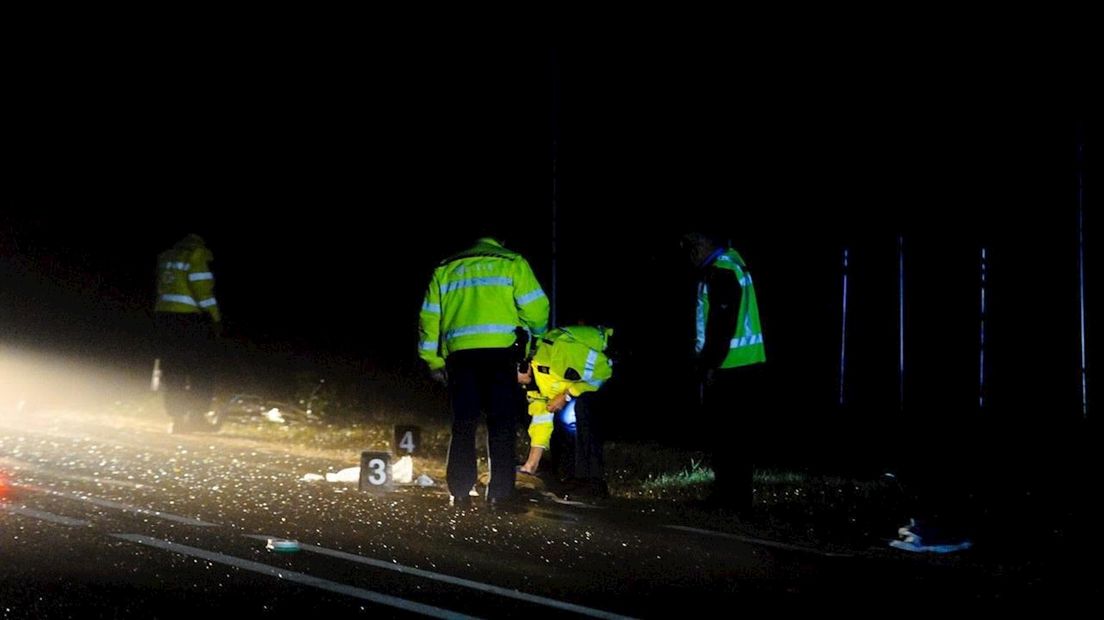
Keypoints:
pixel 184 280
pixel 476 299
pixel 746 345
pixel 568 359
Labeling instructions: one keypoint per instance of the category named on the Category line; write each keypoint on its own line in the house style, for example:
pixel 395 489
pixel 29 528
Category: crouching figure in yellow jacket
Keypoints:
pixel 568 367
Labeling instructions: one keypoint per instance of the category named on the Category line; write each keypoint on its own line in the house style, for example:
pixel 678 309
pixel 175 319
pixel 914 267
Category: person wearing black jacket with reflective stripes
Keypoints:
pixel 731 361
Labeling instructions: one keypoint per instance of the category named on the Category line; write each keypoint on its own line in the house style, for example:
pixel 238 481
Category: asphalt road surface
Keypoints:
pixel 107 515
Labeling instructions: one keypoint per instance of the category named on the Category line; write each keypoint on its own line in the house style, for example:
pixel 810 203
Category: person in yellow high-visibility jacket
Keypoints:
pixel 475 305
pixel 187 318
pixel 568 366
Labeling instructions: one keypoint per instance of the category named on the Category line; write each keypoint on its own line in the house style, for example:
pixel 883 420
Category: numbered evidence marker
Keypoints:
pixel 375 471
pixel 408 440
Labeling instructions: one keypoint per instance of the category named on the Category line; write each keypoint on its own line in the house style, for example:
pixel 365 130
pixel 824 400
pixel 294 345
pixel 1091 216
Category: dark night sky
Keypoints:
pixel 328 181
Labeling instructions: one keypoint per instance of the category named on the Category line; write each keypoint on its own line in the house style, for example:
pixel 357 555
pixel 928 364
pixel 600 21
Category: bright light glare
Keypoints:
pixel 32 384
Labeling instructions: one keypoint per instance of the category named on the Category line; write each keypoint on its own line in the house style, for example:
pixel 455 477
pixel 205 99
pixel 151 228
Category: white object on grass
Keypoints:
pixel 349 474
pixel 403 470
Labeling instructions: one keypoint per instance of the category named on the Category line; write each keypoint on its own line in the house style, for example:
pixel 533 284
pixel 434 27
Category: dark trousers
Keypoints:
pixel 483 380
pixel 577 452
pixel 734 409
pixel 188 362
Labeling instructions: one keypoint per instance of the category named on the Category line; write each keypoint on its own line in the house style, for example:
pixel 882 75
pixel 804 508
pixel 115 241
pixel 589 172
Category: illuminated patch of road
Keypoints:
pixel 21 465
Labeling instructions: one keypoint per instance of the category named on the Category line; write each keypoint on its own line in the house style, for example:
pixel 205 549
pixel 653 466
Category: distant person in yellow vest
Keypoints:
pixel 187 318
pixel 731 361
pixel 569 365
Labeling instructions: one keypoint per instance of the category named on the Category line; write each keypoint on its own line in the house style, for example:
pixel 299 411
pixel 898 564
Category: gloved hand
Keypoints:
pixel 217 330
pixel 439 375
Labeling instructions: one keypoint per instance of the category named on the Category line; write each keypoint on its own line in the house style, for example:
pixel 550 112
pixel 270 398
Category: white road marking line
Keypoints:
pixel 295 577
pixel 457 581
pixel 45 516
pixel 759 541
pixel 106 503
